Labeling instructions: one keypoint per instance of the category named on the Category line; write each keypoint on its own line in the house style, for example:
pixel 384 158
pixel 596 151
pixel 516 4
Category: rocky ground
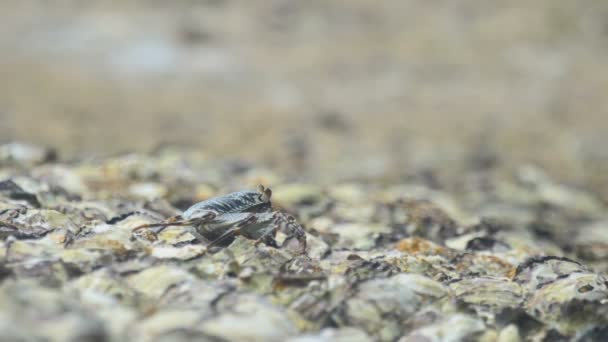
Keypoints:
pixel 447 160
pixel 501 259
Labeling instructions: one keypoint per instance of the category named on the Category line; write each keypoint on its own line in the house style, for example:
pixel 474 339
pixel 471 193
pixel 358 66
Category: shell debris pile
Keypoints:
pixel 504 258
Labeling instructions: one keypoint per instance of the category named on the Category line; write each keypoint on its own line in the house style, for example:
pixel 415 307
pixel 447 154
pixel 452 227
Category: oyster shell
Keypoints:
pixel 383 262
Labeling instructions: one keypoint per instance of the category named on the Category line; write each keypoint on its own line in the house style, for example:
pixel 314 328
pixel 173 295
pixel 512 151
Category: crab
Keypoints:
pixel 218 220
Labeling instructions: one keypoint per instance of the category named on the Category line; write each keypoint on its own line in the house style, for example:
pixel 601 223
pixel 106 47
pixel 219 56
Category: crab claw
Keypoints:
pixel 266 193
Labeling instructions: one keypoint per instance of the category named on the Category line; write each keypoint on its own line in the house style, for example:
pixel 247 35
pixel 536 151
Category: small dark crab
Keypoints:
pixel 217 221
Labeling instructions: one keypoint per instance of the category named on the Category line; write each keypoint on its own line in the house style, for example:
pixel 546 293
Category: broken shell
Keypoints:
pixel 454 328
pixel 380 305
pixel 497 293
pixel 256 319
pixel 154 281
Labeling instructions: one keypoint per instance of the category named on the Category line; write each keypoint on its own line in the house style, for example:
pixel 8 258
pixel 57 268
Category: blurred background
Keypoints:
pixel 325 90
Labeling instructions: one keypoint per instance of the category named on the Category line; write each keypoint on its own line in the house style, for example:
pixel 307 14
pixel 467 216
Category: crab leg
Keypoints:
pixel 177 221
pixel 250 219
pixel 163 225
